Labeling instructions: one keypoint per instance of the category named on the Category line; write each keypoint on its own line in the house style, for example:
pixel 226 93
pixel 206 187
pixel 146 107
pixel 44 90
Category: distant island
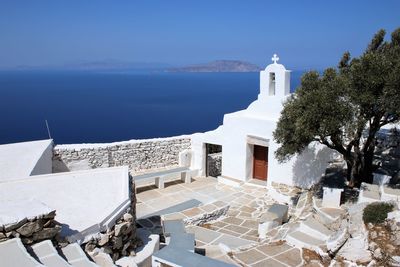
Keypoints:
pixel 114 65
pixel 219 66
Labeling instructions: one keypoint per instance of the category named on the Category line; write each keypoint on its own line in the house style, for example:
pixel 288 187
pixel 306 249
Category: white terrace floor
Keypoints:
pixel 237 229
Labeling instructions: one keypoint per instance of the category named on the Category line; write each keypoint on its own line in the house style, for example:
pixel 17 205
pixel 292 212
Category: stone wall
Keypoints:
pixel 214 164
pixel 32 230
pixel 139 155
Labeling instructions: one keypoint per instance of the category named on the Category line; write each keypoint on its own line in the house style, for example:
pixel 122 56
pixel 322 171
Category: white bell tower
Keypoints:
pixel 274 80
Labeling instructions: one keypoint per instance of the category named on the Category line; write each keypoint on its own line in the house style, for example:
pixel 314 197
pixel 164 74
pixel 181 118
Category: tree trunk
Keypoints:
pixel 368 168
pixel 360 168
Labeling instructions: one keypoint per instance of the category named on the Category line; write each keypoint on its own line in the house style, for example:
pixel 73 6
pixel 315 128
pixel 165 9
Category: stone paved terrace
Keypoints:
pixel 236 229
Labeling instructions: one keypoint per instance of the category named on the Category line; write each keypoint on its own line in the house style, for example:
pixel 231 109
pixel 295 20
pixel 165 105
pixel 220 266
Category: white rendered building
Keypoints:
pixel 247 141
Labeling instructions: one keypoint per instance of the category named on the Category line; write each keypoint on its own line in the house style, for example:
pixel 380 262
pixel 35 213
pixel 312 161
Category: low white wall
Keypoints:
pixel 138 155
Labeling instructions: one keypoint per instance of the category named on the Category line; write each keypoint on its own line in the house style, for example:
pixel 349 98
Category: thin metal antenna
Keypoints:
pixel 48 129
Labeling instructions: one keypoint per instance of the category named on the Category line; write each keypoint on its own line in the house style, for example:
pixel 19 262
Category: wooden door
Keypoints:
pixel 260 162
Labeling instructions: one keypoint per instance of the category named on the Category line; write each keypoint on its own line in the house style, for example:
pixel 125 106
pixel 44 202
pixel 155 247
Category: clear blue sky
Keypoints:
pixel 305 34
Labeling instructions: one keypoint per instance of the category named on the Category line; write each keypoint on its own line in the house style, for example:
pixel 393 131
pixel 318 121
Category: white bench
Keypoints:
pixel 160 177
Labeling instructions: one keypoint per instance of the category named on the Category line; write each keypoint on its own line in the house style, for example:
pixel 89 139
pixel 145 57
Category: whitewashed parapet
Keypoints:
pixel 138 155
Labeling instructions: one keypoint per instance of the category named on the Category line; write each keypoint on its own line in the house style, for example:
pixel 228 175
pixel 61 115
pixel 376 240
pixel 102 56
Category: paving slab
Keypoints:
pixel 192 212
pixel 232 220
pixel 232 212
pixel 226 259
pixel 247 209
pixel 252 224
pixel 175 208
pixel 208 208
pixel 291 257
pixel 174 216
pixel 253 233
pixel 249 257
pixel 219 224
pixel 202 234
pixel 245 215
pixel 250 237
pixel 148 195
pixel 274 249
pixel 237 229
pixel 268 263
pixel 225 231
pixel 232 242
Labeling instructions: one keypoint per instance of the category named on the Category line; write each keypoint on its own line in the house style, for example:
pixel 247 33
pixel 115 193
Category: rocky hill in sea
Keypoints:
pixel 219 66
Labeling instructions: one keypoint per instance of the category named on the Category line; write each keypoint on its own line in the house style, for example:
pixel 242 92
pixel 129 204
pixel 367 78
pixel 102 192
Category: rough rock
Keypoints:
pixel 378 253
pixel 46 233
pixel 29 228
pixel 120 229
pixel 33 229
pixel 104 238
pixel 128 217
pixel 356 250
pixel 117 242
pixel 13 226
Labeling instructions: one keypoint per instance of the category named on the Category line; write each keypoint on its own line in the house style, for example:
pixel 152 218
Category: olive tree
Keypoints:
pixel 345 107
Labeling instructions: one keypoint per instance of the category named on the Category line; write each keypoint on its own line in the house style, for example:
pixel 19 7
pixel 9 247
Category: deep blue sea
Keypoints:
pixel 105 107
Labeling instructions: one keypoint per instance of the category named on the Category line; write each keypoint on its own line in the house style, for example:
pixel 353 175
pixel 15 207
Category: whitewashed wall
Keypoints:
pixel 44 164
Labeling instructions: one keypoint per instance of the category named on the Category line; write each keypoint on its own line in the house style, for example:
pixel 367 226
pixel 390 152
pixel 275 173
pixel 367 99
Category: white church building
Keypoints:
pixel 246 139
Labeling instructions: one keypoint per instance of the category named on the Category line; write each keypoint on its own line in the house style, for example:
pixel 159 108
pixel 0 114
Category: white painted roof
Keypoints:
pixel 84 200
pixel 18 159
pixel 15 211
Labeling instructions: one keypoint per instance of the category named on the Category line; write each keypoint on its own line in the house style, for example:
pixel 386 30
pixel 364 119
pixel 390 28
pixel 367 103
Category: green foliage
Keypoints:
pixel 339 106
pixel 376 212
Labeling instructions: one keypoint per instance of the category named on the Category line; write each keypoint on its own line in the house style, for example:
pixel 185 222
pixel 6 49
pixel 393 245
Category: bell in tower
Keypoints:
pixel 274 80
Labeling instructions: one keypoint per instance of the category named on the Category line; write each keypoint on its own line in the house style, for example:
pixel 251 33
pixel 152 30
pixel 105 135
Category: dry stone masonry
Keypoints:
pixel 32 230
pixel 214 164
pixel 139 155
pixel 118 241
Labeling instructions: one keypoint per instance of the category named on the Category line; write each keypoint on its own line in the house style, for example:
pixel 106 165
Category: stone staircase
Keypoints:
pixel 310 234
pixel 14 253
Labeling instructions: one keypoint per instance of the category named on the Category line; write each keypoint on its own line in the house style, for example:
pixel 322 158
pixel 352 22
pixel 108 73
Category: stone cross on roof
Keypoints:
pixel 275 58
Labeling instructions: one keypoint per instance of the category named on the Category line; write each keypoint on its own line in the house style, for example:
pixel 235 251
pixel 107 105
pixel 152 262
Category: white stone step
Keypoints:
pixel 315 229
pixel 229 181
pixel 302 240
pixel 327 215
pixel 48 255
pixel 13 253
pixel 76 256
